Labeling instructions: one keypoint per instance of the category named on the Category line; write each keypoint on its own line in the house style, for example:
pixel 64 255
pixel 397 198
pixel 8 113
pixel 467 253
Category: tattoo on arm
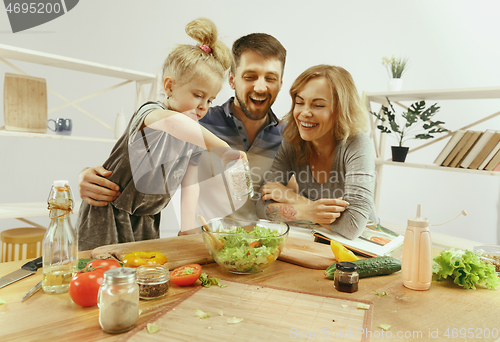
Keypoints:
pixel 281 212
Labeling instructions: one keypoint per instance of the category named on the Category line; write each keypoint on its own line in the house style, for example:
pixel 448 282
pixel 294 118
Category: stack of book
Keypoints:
pixel 472 150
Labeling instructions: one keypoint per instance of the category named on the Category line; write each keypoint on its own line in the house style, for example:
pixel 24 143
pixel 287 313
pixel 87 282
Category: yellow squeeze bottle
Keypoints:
pixel 416 264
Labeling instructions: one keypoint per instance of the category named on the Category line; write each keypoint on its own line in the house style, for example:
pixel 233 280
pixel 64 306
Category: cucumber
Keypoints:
pixel 371 267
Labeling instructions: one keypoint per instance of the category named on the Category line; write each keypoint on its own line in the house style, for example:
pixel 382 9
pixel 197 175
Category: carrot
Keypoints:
pixel 255 244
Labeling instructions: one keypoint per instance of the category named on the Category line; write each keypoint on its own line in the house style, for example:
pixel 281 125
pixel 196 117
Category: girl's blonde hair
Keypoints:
pixel 350 116
pixel 184 62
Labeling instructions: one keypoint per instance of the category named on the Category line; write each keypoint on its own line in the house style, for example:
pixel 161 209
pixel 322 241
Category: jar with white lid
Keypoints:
pixel 239 179
pixel 118 300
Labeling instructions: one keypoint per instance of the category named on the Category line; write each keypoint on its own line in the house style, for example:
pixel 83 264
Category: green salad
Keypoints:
pixel 465 268
pixel 248 252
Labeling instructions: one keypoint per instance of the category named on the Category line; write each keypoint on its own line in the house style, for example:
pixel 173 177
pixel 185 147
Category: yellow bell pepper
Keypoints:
pixel 137 259
pixel 341 253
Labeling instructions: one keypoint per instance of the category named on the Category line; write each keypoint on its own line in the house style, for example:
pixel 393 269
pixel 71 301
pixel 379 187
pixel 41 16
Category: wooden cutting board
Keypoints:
pixel 297 251
pixel 268 313
pixel 25 103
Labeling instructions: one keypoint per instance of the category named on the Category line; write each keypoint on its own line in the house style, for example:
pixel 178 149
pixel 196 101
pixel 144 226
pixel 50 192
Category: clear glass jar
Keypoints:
pixel 153 281
pixel 60 244
pixel 118 300
pixel 346 277
pixel 239 178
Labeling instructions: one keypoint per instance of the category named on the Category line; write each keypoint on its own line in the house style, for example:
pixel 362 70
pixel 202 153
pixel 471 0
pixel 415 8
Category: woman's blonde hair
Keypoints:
pixel 350 116
pixel 184 62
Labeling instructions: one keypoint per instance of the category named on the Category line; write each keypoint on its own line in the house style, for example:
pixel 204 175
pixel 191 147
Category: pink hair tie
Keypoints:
pixel 206 48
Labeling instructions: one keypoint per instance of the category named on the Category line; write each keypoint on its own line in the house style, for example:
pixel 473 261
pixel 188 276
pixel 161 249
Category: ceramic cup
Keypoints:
pixel 62 126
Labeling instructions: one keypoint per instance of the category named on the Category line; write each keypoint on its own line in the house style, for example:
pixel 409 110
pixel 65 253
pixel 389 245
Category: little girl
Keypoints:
pixel 159 149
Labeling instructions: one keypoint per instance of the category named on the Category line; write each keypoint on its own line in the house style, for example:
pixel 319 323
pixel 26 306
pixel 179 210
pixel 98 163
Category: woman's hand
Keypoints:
pixel 95 189
pixel 323 211
pixel 278 192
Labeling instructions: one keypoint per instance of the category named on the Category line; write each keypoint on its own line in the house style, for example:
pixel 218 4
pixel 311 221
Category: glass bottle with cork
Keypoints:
pixel 60 244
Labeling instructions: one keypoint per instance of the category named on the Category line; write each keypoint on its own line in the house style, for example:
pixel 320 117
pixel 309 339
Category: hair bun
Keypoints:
pixel 203 30
pixel 182 61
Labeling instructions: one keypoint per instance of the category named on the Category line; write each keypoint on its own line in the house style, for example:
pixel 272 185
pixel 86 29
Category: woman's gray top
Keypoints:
pixel 352 177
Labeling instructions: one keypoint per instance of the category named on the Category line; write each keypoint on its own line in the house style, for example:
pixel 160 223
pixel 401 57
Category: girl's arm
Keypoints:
pixel 184 128
pixel 190 192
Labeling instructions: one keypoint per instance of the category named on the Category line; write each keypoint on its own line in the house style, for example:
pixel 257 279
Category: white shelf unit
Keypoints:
pixel 22 210
pixel 32 209
pixel 379 138
pixel 141 79
pixel 53 136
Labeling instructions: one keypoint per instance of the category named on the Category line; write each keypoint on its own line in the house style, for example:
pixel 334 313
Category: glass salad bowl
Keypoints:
pixel 245 247
pixel 489 254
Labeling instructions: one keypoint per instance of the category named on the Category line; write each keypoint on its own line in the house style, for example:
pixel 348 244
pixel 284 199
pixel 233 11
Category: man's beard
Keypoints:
pixel 247 111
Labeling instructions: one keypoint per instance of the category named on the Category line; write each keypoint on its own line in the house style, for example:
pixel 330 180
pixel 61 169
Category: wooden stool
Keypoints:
pixel 22 243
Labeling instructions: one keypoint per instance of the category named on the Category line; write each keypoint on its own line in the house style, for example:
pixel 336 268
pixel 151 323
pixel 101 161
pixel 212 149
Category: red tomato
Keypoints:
pixel 186 275
pixel 84 286
pixel 104 264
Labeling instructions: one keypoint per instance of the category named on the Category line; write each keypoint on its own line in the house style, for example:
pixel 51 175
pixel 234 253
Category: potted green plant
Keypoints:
pixel 395 69
pixel 405 131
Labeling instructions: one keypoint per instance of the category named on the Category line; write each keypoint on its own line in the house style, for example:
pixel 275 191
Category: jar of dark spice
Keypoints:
pixel 152 281
pixel 346 277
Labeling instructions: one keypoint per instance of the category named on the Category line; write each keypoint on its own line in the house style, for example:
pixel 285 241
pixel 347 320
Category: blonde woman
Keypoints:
pixel 324 171
pixel 159 150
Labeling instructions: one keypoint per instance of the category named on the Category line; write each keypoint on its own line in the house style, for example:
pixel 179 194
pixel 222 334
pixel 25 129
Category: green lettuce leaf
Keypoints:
pixel 206 281
pixel 465 268
pixel 83 262
pixel 201 314
pixel 152 328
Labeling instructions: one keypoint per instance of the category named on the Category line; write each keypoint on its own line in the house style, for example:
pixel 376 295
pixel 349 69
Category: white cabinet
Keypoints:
pixel 379 139
pixel 141 79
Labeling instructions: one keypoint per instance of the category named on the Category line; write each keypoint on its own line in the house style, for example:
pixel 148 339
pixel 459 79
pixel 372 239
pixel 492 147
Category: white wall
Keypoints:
pixel 451 44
